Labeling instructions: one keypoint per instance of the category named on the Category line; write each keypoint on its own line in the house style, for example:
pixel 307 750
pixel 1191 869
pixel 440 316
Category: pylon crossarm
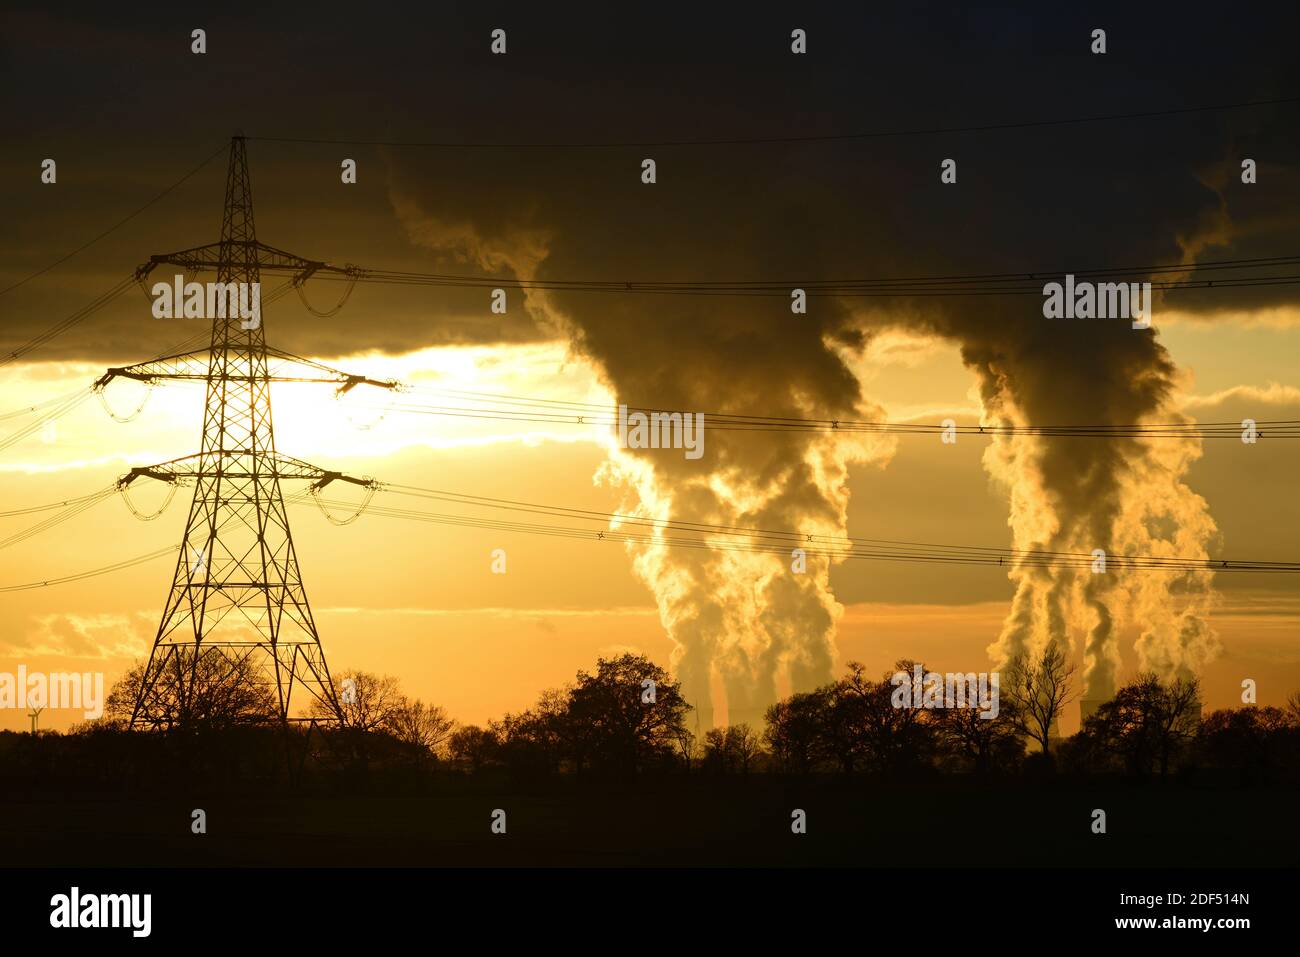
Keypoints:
pixel 346 381
pixel 148 472
pixel 355 380
pixel 281 467
pixel 365 482
pixel 209 257
pixel 194 366
pixel 170 471
pixel 183 365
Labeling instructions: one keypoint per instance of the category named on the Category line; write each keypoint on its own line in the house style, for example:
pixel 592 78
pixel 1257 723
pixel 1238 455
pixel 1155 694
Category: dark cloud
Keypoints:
pixel 1047 199
pixel 1089 194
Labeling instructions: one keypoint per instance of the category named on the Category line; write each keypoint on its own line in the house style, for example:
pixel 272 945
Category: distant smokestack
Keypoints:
pixel 703 715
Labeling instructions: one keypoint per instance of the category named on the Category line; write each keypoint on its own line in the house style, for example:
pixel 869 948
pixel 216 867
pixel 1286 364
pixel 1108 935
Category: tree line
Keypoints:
pixel 627 716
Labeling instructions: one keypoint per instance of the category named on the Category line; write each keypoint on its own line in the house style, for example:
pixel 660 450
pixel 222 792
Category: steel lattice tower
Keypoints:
pixel 237 590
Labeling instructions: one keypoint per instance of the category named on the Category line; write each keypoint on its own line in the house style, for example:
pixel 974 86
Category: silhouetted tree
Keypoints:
pixel 687 748
pixel 619 730
pixel 368 702
pixel 715 751
pixel 1147 722
pixel 1259 743
pixel 472 745
pixel 422 725
pixel 553 727
pixel 730 749
pixel 844 738
pixel 988 744
pixel 742 745
pixel 794 731
pixel 1037 688
pixel 897 740
pixel 536 742
pixel 850 724
pixel 210 691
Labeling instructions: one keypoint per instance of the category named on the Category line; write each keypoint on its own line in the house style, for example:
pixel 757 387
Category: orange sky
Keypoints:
pixel 420 601
pixel 789 187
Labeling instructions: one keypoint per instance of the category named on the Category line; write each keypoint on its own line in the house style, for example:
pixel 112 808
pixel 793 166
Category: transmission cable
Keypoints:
pixel 116 226
pixel 797 138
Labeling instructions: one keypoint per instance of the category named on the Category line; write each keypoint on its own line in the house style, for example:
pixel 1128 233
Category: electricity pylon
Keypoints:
pixel 237 602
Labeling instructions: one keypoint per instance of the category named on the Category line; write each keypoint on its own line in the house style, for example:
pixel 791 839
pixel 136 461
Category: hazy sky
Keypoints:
pixel 116 97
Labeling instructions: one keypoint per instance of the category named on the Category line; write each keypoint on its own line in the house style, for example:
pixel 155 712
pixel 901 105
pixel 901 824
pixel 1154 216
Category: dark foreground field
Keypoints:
pixel 670 823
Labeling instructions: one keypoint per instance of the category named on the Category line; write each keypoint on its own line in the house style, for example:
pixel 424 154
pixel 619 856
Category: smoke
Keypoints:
pixel 746 626
pixel 757 625
pixel 1164 517
pixel 1080 495
pixel 743 624
pixel 1025 198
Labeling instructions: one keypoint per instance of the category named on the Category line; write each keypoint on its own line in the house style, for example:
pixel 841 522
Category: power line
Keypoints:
pixel 125 563
pixel 206 258
pixel 1040 274
pixel 58 518
pixel 30 509
pixel 1274 428
pixel 990 284
pixel 791 139
pixel 1222 274
pixel 60 410
pixel 99 302
pixel 587 414
pixel 63 325
pixel 590 414
pixel 116 226
pixel 94 572
pixel 28 410
pixel 784 535
pixel 760 541
pixel 768 541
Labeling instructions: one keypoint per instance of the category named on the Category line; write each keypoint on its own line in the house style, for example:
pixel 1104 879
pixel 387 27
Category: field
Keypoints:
pixel 668 823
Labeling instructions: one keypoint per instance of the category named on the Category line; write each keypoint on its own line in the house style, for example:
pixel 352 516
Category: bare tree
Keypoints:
pixel 716 756
pixel 536 742
pixel 1038 688
pixel 845 730
pixel 425 726
pixel 794 730
pixel 1177 717
pixel 1147 722
pixel 893 739
pixel 472 745
pixel 742 745
pixel 684 738
pixel 731 748
pixel 368 702
pixel 985 742
pixel 206 689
